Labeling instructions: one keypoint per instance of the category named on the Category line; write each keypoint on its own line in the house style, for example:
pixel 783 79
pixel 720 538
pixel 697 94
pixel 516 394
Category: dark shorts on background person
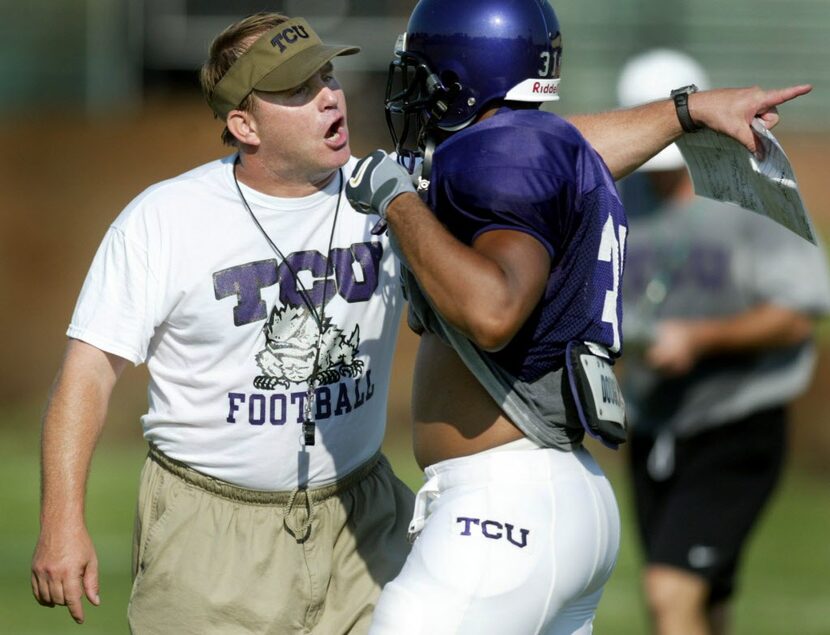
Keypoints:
pixel 698 519
pixel 213 558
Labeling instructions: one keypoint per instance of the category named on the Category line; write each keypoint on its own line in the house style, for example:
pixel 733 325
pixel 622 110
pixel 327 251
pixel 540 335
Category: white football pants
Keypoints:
pixel 511 542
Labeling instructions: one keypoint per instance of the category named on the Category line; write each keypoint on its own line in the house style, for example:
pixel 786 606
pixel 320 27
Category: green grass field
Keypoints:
pixel 785 590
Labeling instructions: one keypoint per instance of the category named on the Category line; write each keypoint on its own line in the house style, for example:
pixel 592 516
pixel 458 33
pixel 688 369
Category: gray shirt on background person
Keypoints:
pixel 707 259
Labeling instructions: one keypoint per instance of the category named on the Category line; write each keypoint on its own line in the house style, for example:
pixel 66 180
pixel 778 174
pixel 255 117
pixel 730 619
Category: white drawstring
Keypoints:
pixel 423 498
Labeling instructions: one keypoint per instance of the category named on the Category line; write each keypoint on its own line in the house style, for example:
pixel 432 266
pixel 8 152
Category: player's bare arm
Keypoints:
pixel 679 344
pixel 65 566
pixel 628 138
pixel 625 139
pixel 487 290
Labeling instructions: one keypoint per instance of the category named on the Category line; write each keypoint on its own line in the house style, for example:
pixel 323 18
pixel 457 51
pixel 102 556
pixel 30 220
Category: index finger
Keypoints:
pixel 778 96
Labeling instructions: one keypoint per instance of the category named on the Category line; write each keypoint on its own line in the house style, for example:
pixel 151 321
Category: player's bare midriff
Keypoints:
pixel 453 415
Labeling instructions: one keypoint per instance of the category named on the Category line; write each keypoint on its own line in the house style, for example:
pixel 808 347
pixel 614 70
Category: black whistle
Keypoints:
pixel 308 432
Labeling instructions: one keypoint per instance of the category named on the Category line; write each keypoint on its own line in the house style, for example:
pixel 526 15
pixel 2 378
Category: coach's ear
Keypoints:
pixel 242 125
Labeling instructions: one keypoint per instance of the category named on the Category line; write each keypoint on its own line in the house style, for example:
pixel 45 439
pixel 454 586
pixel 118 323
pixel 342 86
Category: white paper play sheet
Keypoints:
pixel 723 169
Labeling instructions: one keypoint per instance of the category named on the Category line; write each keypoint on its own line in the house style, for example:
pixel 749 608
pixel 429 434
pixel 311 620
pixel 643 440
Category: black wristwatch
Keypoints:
pixel 681 107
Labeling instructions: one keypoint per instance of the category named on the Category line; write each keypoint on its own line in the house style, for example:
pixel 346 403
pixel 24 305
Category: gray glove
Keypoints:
pixel 376 180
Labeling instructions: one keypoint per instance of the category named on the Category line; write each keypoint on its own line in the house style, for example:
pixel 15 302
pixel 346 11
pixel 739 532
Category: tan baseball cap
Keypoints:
pixel 281 58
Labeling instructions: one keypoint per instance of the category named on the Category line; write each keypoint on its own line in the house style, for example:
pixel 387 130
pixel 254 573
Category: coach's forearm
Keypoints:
pixel 625 139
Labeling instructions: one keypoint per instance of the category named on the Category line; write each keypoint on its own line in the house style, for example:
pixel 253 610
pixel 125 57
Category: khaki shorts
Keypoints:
pixel 209 557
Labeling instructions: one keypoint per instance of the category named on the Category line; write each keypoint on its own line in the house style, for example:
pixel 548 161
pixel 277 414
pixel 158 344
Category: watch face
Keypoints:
pixel 685 90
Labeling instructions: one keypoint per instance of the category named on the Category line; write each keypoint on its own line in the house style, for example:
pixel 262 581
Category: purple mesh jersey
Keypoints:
pixel 531 171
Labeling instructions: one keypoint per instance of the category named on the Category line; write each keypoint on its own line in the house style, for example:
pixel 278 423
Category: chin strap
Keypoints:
pixel 420 177
pixel 422 186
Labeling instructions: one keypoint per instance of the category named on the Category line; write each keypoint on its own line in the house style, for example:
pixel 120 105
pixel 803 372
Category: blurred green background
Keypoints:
pixel 99 99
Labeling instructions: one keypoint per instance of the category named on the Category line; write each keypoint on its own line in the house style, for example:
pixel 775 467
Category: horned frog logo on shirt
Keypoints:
pixel 291 335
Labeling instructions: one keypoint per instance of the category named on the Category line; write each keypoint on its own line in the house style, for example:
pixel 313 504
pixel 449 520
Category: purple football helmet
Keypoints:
pixel 459 56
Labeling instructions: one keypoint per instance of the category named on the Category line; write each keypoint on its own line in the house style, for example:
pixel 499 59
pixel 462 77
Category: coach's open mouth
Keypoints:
pixel 337 134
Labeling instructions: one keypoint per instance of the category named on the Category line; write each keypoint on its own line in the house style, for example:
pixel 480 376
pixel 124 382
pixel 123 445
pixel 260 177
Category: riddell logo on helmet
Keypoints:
pixel 288 36
pixel 545 89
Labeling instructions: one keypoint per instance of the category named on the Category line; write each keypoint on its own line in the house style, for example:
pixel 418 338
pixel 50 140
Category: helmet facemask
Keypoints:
pixel 416 100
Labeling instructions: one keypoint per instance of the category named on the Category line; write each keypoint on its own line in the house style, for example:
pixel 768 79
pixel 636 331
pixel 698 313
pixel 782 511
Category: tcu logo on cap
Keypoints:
pixel 288 36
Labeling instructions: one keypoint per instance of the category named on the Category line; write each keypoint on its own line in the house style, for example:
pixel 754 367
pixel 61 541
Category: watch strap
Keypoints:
pixel 680 96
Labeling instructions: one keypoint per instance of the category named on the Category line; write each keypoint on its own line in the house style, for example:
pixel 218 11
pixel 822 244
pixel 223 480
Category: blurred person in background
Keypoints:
pixel 266 312
pixel 719 312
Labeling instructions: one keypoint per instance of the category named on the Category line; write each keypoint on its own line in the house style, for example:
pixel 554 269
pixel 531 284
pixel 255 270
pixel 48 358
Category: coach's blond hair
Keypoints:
pixel 226 48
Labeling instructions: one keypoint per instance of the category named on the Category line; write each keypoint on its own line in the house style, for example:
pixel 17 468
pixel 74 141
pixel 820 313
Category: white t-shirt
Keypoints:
pixel 185 281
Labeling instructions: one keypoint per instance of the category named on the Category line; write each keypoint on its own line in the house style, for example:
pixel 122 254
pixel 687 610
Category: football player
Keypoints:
pixel 513 262
pixel 519 312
